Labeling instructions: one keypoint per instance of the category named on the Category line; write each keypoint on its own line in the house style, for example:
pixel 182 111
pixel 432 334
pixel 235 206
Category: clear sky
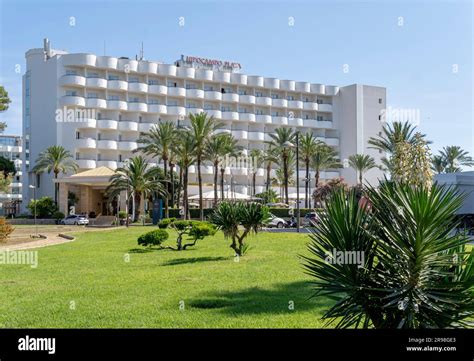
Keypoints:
pixel 421 51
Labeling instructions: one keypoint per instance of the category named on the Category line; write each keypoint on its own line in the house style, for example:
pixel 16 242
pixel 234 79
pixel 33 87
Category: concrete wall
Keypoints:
pixel 464 181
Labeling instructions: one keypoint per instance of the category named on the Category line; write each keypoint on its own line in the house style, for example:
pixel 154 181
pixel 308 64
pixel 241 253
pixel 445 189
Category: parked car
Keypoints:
pixel 310 219
pixel 75 219
pixel 275 221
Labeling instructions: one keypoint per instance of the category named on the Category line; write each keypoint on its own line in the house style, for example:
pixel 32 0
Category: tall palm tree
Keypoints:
pixel 184 148
pixel 438 164
pixel 58 160
pixel 215 150
pixel 232 149
pixel 138 180
pixel 281 140
pixel 157 143
pixel 202 127
pixel 454 157
pixel 308 147
pixel 391 135
pixel 325 157
pixel 270 157
pixel 362 163
pixel 257 157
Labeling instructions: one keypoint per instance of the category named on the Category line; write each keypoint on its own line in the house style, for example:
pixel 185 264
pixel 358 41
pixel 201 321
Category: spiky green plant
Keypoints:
pixel 416 271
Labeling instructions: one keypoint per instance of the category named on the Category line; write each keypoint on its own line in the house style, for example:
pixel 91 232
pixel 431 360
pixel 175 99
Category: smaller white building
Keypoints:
pixel 11 149
pixel 465 183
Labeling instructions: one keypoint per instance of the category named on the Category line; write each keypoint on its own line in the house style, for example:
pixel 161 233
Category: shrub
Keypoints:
pixel 45 207
pixel 5 229
pixel 58 215
pixel 153 238
pixel 411 270
pixel 165 222
pixel 122 215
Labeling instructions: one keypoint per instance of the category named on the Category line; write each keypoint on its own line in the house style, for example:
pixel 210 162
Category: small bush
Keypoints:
pixel 165 222
pixel 58 215
pixel 45 207
pixel 153 238
pixel 181 225
pixel 122 214
pixel 5 229
pixel 199 230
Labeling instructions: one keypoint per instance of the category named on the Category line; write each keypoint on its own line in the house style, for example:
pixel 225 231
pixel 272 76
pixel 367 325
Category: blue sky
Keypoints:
pixel 415 61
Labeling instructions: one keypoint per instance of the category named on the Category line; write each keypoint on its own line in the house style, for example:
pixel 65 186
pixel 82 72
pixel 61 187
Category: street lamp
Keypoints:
pixel 297 146
pixel 34 201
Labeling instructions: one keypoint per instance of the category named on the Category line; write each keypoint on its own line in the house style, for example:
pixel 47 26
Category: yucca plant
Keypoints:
pixel 237 220
pixel 415 271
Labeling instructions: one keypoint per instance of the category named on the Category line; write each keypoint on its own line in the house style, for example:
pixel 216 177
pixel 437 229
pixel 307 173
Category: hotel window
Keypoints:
pixel 99 136
pixel 225 108
pixel 191 86
pixel 290 97
pixel 306 116
pixel 208 87
pixel 120 137
pixel 380 100
pixel 113 77
pixel 114 97
pixel 133 79
pixel 120 117
pixel 208 107
pixel 259 112
pixel 275 96
pixel 78 135
pixel 243 110
pixel 71 93
pixel 258 94
pixel 153 101
pixel 319 118
pixel 92 95
pixel 275 114
pixel 70 72
pixel 172 84
pixel 120 157
pixel 139 118
pixel 92 75
pixel 242 92
pixel 99 116
pixel 134 100
pixel 153 82
pixel 172 103
pixel 38 180
pixel 319 101
pixel 191 105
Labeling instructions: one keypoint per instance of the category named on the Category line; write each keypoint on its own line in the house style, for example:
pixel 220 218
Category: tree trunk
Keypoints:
pixel 142 207
pixel 316 182
pixel 222 183
pixel 180 186
pixel 285 178
pixel 269 169
pixel 306 185
pixel 185 193
pixel 254 180
pixel 201 209
pixel 360 176
pixel 216 174
pixel 134 211
pixel 172 184
pixel 165 168
pixel 56 188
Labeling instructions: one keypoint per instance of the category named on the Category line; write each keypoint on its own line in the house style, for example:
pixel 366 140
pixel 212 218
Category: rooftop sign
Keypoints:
pixel 211 64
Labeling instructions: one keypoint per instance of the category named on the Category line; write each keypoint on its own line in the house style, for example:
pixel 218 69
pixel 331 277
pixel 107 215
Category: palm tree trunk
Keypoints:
pixel 360 176
pixel 165 168
pixel 269 169
pixel 185 193
pixel 216 171
pixel 222 183
pixel 133 208
pixel 56 187
pixel 201 209
pixel 254 180
pixel 306 184
pixel 285 176
pixel 180 186
pixel 142 206
pixel 172 183
pixel 316 182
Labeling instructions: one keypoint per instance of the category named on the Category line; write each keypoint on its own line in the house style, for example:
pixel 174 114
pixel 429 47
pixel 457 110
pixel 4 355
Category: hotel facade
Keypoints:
pixel 11 149
pixel 96 106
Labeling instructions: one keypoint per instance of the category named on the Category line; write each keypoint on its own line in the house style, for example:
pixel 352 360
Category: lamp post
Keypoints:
pixel 297 146
pixel 34 201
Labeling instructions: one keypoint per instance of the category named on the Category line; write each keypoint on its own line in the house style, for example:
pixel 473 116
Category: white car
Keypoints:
pixel 75 219
pixel 275 221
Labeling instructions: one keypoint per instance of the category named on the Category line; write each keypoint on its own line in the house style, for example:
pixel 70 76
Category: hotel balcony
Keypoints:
pixel 222 131
pixel 72 80
pixel 302 86
pixel 128 126
pixel 86 163
pixel 310 123
pixel 86 143
pixel 157 108
pixel 99 83
pixel 256 81
pixel 317 88
pixel 127 145
pixel 287 85
pixel 230 97
pixel 239 171
pixel 138 87
pixel 295 104
pixel 205 169
pixel 266 101
pixel 214 113
pixel 240 134
pixel 281 103
pixel 272 83
pixel 203 74
pixel 212 95
pixel 176 110
pixel 112 164
pixel 310 106
pixel 332 90
pixel 326 124
pixel 145 127
pixel 158 89
pixel 120 85
pixel 279 120
pixel 107 144
pixel 96 103
pixel 195 93
pixel 167 70
pixel 325 107
pixel 247 117
pixel 79 60
pixel 73 100
pixel 256 136
pixel 230 115
pixel 295 122
pixel 107 62
pixel 147 67
pixel 127 65
pixel 176 92
pixel 193 111
pixel 240 79
pixel 117 104
pixel 137 106
pixel 185 72
pixel 107 124
pixel 264 118
pixel 222 77
pixel 332 142
pixel 247 99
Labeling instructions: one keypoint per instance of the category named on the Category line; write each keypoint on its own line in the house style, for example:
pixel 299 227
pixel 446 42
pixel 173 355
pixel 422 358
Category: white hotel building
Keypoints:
pixel 127 96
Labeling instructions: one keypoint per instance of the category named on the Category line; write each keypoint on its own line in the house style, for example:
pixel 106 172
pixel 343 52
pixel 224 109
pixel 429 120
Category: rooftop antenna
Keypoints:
pixel 141 52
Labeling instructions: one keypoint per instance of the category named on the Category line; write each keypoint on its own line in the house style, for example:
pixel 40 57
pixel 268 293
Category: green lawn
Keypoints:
pixel 215 290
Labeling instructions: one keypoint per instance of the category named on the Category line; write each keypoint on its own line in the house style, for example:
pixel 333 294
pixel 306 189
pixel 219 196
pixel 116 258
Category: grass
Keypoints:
pixel 104 279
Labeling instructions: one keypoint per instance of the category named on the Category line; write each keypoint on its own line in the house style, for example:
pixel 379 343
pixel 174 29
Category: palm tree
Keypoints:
pixel 454 157
pixel 325 157
pixel 232 149
pixel 55 159
pixel 390 136
pixel 215 150
pixel 270 157
pixel 361 163
pixel 138 180
pixel 257 157
pixel 281 141
pixel 438 164
pixel 184 148
pixel 308 147
pixel 157 143
pixel 202 127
